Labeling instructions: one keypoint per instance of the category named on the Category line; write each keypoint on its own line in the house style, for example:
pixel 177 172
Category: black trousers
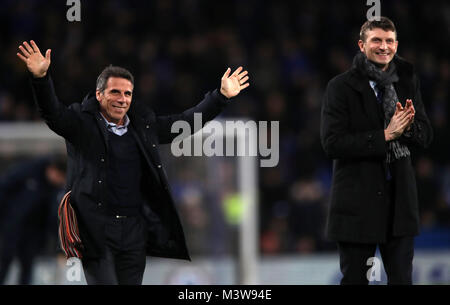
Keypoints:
pixel 125 258
pixel 397 256
pixel 396 253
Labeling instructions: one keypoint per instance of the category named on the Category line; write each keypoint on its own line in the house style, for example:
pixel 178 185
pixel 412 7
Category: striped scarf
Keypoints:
pixel 69 236
pixel 387 96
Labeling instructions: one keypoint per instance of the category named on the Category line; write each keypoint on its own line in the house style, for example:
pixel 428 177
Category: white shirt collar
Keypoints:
pixel 117 129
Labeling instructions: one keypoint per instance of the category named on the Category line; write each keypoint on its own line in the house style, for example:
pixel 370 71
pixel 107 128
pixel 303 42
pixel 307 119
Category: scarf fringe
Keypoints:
pixel 396 151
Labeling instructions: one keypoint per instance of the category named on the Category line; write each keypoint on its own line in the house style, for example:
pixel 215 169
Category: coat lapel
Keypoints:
pixel 103 129
pixel 402 92
pixel 91 105
pixel 369 101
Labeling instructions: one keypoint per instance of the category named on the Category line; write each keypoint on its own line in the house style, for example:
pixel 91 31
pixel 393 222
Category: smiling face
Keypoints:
pixel 379 46
pixel 115 100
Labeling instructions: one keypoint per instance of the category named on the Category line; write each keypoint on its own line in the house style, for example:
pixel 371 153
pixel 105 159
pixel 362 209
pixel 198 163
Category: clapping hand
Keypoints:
pixel 402 119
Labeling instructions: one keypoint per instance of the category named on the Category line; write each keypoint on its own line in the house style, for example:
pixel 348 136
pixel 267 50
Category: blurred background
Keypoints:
pixel 177 51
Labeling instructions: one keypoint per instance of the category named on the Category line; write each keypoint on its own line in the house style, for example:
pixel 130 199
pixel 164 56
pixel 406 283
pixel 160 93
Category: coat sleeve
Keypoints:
pixel 421 132
pixel 63 121
pixel 212 104
pixel 338 140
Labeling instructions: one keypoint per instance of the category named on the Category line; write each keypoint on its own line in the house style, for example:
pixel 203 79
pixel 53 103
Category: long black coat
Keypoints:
pixel 86 137
pixel 352 134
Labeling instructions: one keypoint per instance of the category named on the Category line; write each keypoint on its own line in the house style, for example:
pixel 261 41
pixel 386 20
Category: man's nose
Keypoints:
pixel 121 99
pixel 383 45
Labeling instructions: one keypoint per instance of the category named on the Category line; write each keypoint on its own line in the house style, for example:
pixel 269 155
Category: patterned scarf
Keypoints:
pixel 386 95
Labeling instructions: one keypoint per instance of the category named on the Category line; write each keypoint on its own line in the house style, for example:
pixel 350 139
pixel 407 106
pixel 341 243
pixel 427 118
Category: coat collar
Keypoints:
pixel 360 82
pixel 357 80
pixel 138 115
pixel 90 103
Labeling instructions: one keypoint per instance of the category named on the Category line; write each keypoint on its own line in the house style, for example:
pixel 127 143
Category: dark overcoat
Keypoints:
pixel 352 134
pixel 86 136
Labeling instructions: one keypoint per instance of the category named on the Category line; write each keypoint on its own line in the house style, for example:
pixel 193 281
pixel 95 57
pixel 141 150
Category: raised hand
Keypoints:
pixel 32 57
pixel 399 121
pixel 232 84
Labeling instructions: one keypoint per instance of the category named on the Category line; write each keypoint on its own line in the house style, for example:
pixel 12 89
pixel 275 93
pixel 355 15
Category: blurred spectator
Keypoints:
pixel 28 212
pixel 306 218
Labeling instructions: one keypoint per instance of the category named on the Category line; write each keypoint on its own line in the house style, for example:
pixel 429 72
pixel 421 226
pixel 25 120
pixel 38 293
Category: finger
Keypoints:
pixel 48 53
pixel 411 105
pixel 398 108
pixel 403 117
pixel 402 125
pixel 404 113
pixel 241 75
pixel 23 58
pixel 227 73
pixel 29 49
pixel 245 86
pixel 238 70
pixel 25 52
pixel 405 121
pixel 242 81
pixel 35 47
pixel 408 104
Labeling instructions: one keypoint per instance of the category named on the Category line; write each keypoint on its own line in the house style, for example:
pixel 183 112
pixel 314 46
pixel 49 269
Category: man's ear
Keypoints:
pixel 98 94
pixel 361 45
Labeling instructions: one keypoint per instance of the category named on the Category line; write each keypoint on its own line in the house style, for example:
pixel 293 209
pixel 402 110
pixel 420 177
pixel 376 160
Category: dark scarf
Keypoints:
pixel 386 95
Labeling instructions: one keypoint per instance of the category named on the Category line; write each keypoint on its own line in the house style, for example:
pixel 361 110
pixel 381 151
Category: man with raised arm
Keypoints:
pixel 119 189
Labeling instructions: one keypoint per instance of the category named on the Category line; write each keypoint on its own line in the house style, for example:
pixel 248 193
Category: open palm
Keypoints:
pixel 32 57
pixel 232 84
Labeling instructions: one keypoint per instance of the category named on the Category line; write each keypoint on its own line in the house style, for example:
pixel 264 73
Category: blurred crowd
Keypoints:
pixel 178 50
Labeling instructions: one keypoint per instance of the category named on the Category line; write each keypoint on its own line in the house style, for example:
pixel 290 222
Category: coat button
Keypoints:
pixel 379 193
pixel 153 145
pixel 148 126
pixel 102 160
pixel 99 204
pixel 99 181
pixel 159 166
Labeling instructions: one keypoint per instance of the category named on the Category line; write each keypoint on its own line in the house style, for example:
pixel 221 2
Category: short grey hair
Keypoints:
pixel 112 71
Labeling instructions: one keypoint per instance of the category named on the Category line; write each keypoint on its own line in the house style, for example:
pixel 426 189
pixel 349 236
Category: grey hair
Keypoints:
pixel 112 71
